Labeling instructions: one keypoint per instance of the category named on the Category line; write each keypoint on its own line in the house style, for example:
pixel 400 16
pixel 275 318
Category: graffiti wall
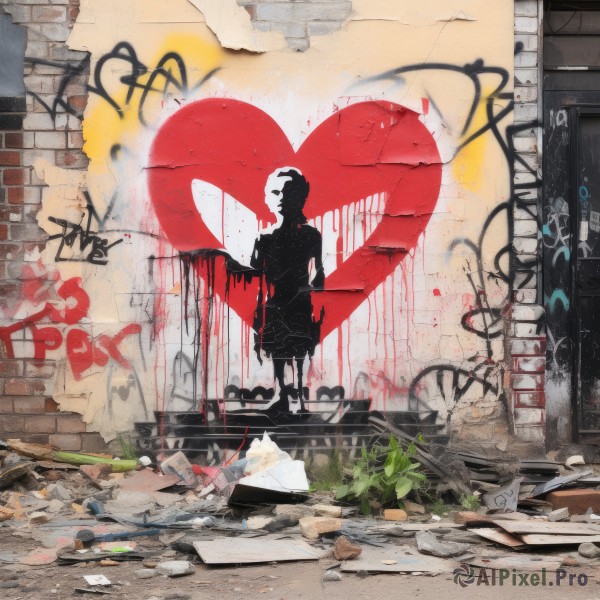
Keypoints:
pixel 275 239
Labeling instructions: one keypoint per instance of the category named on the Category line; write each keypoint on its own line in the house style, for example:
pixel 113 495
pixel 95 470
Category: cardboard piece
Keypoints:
pixel 239 551
pixel 396 559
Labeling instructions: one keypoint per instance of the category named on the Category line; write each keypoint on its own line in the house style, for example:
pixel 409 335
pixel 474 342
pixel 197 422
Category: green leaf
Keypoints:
pixel 342 491
pixel 393 442
pixel 403 487
pixel 389 470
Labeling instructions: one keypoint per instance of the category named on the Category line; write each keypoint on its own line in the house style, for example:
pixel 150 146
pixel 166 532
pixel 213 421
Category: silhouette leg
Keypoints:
pixel 299 368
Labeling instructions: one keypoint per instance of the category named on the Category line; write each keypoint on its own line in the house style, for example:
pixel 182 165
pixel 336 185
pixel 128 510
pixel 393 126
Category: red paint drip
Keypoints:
pixel 436 292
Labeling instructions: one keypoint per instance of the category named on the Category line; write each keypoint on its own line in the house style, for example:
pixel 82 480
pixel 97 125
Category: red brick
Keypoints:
pixel 14 250
pixel 34 438
pixel 71 158
pixel 530 399
pixel 51 406
pixel 13 177
pixel 17 387
pixel 3 232
pixel 6 406
pixel 527 381
pixel 530 364
pixel 10 158
pixel 40 424
pixel 16 195
pixel 30 405
pixel 11 423
pixel 577 501
pixel 66 441
pixel 13 140
pixel 78 102
pixel 10 367
pixel 70 424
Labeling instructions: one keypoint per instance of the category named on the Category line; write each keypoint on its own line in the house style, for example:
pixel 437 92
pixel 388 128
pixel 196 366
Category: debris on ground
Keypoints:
pixel 168 517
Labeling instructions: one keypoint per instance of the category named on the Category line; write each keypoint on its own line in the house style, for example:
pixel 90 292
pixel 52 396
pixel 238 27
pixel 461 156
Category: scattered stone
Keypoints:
pixel 560 514
pixel 178 596
pixel 258 522
pixel 394 514
pixel 37 518
pixel 279 523
pixel 96 472
pixel 55 506
pixel 568 561
pixel 296 511
pixel 56 491
pixel 7 585
pixel 130 503
pixel 414 507
pixel 577 459
pixel 145 573
pixel 175 568
pixel 151 562
pixel 332 576
pixel 314 527
pixel 589 550
pixel 327 510
pixel 344 549
pixel 427 543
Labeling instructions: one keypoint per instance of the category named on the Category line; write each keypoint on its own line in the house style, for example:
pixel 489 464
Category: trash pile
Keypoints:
pixel 175 517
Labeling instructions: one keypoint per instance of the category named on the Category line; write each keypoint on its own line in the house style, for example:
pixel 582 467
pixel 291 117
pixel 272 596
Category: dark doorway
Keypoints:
pixel 571 210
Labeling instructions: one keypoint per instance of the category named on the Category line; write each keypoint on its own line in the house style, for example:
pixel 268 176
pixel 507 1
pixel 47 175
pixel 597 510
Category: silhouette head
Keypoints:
pixel 286 192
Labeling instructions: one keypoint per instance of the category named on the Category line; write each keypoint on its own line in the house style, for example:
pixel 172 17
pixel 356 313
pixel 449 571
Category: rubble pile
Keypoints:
pixel 175 517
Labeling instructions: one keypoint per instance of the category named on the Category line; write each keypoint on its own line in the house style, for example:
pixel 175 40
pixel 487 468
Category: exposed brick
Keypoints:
pixel 66 441
pixel 10 121
pixel 6 406
pixel 49 14
pixel 51 405
pixel 15 195
pixel 17 387
pixel 13 177
pixel 42 370
pixel 10 367
pixel 71 159
pixel 30 405
pixel 521 381
pixel 40 424
pixel 529 399
pixel 50 139
pixel 92 442
pixel 34 438
pixel 529 416
pixel 27 232
pixel 11 251
pixel 11 423
pixel 3 232
pixel 10 158
pixel 78 102
pixel 534 364
pixel 577 501
pixel 70 424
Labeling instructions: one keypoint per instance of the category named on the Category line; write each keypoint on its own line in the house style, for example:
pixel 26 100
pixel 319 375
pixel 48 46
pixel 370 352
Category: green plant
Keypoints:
pixel 470 501
pixel 383 475
pixel 127 450
pixel 327 478
pixel 438 506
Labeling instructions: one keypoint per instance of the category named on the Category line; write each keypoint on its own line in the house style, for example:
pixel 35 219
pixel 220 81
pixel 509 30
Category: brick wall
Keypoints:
pixel 298 20
pixel 526 341
pixel 46 124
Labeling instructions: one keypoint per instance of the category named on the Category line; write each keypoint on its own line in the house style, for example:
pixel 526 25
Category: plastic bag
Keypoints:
pixel 264 454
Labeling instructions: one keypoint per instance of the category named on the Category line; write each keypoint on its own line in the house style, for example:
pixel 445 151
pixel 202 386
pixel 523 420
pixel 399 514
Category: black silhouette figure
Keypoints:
pixel 285 329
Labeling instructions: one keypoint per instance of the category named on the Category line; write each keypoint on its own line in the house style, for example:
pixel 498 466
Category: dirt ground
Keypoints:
pixel 271 582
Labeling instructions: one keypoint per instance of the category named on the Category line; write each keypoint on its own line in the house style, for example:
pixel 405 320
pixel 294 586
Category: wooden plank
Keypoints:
pixel 403 558
pixel 499 536
pixel 240 551
pixel 545 527
pixel 540 539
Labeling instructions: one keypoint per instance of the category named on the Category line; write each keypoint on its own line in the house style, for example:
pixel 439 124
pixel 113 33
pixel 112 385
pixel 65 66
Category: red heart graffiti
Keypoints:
pixel 364 149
